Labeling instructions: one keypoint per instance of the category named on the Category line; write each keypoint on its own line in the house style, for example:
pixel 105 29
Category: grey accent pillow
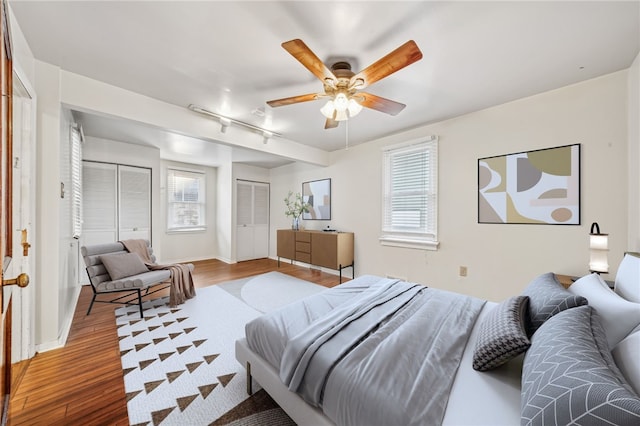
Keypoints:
pixel 547 297
pixel 502 334
pixel 123 265
pixel 569 376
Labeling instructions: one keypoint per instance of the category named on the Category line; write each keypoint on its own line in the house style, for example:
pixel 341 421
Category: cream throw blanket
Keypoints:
pixel 181 280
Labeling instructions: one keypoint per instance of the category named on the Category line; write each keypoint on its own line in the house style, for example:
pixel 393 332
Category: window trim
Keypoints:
pixel 202 226
pixel 76 136
pixel 397 238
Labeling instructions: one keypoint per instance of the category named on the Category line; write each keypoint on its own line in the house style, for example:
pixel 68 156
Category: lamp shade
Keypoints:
pixel 598 250
pixel 328 110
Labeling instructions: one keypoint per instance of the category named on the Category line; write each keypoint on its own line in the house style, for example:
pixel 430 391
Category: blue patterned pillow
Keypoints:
pixel 502 334
pixel 548 297
pixel 569 376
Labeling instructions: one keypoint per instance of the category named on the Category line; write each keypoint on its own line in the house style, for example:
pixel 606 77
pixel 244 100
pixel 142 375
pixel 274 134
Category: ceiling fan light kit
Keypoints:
pixel 341 107
pixel 341 85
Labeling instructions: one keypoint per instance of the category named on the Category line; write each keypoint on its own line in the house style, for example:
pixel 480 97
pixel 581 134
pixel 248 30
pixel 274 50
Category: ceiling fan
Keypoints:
pixel 342 86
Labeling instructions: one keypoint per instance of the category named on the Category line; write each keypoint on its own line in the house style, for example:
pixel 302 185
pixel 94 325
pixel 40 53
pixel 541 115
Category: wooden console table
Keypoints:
pixel 333 250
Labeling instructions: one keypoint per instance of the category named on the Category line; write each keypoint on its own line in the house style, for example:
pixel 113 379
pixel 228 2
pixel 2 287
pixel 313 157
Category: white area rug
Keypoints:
pixel 273 290
pixel 179 364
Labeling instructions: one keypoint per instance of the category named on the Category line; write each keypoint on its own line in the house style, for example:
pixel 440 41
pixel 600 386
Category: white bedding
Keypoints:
pixel 484 398
pixel 476 398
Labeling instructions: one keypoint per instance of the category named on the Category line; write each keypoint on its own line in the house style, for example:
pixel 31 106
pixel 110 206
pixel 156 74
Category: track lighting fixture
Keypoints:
pixel 225 122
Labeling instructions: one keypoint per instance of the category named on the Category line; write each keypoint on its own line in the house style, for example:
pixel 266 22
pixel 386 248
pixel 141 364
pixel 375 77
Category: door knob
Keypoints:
pixel 21 281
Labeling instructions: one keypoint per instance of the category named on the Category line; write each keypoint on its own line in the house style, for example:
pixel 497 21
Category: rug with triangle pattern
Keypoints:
pixel 179 364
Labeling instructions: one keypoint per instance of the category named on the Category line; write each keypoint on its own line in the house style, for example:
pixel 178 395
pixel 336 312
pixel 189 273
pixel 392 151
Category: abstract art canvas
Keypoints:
pixel 318 194
pixel 533 187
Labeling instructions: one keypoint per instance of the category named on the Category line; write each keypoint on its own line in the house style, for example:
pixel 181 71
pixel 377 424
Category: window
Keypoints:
pixel 186 200
pixel 410 198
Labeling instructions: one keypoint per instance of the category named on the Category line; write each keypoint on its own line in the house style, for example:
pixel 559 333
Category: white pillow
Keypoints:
pixel 626 354
pixel 627 282
pixel 619 316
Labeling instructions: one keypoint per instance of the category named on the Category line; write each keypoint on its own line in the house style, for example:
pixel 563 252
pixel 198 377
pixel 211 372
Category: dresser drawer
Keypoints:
pixel 303 247
pixel 303 257
pixel 303 236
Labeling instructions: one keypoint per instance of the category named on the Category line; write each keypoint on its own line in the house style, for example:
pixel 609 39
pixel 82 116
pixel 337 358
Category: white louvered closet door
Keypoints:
pixel 134 216
pixel 100 203
pixel 116 205
pixel 252 220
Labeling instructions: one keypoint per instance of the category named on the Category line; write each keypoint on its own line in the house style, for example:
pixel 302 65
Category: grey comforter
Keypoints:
pixel 387 356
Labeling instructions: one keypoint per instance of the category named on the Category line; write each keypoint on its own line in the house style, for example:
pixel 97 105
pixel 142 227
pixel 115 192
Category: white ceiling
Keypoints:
pixel 226 56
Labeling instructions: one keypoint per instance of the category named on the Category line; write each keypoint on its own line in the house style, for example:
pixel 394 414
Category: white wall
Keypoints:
pixel 634 155
pixel 189 245
pixel 501 259
pixel 48 206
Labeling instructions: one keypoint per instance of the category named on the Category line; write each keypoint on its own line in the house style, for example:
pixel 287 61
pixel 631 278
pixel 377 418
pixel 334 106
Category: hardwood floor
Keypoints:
pixel 81 383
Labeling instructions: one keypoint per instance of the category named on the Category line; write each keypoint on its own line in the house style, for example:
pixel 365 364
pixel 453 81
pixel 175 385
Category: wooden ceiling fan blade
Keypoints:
pixel 306 57
pixel 331 124
pixel 403 56
pixel 380 104
pixel 293 100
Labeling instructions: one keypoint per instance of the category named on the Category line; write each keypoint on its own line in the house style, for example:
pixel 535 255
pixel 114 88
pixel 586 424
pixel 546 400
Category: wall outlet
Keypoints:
pixel 463 271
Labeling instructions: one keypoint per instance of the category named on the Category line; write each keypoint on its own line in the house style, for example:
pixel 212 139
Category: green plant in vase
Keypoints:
pixel 295 208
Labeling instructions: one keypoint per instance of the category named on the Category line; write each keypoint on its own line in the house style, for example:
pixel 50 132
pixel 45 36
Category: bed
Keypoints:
pixel 381 351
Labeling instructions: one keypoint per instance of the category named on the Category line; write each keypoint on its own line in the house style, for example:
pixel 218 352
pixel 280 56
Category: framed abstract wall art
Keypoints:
pixel 532 187
pixel 318 194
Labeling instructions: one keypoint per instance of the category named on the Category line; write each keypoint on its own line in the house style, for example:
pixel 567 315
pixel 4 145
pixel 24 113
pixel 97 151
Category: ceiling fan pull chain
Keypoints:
pixel 346 132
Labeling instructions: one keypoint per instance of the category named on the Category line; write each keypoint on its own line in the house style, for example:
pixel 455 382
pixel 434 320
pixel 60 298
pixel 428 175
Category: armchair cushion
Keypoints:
pixel 123 265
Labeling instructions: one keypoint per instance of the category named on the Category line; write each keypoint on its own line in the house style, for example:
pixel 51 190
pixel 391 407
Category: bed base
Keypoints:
pixel 267 377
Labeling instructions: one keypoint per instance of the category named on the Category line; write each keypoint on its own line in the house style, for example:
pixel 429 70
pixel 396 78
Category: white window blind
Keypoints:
pixel 76 181
pixel 410 201
pixel 186 200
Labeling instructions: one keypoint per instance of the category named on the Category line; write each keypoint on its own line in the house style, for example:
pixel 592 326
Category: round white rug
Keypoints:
pixel 273 290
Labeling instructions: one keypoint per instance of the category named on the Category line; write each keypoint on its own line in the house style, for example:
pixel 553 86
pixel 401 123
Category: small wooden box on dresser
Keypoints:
pixel 333 250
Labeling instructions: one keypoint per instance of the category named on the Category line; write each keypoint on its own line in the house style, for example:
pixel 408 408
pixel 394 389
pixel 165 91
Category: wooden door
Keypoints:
pixel 6 235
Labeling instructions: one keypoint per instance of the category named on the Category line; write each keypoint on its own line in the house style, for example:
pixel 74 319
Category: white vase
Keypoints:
pixel 295 224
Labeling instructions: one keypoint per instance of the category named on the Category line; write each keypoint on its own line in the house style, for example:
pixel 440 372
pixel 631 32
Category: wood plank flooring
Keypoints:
pixel 81 383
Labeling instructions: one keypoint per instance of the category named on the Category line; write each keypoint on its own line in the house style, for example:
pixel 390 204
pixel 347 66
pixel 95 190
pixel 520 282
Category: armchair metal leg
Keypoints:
pixel 140 303
pixel 91 304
